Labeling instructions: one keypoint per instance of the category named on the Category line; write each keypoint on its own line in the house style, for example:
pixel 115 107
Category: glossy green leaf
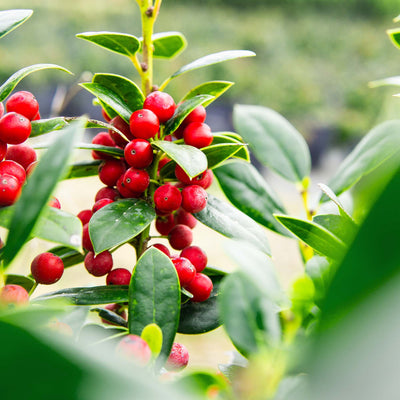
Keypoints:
pixel 83 169
pixel 232 223
pixel 85 296
pixel 9 85
pixel 218 153
pixel 317 237
pixel 110 98
pixel 230 137
pixel 168 44
pixel 381 143
pixel 119 222
pixel 154 297
pixel 274 141
pixel 126 89
pixel 69 256
pixel 110 316
pixel 11 19
pixel 44 126
pixel 112 151
pixel 212 88
pixel 21 280
pixel 201 317
pixel 341 227
pixel 183 110
pixel 121 43
pixel 193 161
pixel 250 319
pixel 38 189
pixel 248 191
pixel 152 335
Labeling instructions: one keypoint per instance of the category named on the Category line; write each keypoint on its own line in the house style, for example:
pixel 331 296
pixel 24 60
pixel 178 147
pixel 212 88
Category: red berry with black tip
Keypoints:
pixel 110 171
pixel 138 153
pixel 178 358
pixel 144 124
pixel 194 198
pixel 124 191
pixel 185 270
pixel 196 256
pixel 180 236
pixel 23 103
pixel 14 128
pixel 167 198
pixel 198 134
pixel 10 189
pixel 162 105
pixel 47 268
pixel 136 180
pixel 99 265
pixel 22 154
pixel 118 276
pixel 201 287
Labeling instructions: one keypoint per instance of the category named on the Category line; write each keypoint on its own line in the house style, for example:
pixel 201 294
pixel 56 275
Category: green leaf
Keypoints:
pixel 381 143
pixel 119 222
pixel 232 223
pixel 121 43
pixel 183 110
pixel 168 44
pixel 110 98
pixel 393 80
pixel 217 153
pixel 83 169
pixel 212 88
pixel 110 316
pixel 317 237
pixel 152 335
pixel 127 90
pixel 394 35
pixel 69 256
pixel 274 141
pixel 112 151
pixel 44 126
pixel 250 319
pixel 321 272
pixel 85 296
pixel 38 189
pixel 193 161
pixel 230 137
pixel 201 317
pixel 341 227
pixel 154 297
pixel 11 19
pixel 9 85
pixel 248 191
pixel 21 280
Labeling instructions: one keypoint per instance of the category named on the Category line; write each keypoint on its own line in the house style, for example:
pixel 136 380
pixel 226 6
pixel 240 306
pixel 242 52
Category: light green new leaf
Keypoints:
pixel 167 44
pixel 340 226
pixel 212 88
pixel 11 19
pixel 152 335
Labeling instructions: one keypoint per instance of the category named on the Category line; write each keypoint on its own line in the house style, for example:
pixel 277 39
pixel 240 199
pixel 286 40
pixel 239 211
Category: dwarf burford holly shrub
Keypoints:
pixel 157 157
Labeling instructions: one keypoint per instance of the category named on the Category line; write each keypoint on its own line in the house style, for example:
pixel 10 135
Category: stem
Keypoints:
pixel 306 250
pixel 148 19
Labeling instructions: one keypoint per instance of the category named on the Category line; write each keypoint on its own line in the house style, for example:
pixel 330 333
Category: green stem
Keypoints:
pixel 148 19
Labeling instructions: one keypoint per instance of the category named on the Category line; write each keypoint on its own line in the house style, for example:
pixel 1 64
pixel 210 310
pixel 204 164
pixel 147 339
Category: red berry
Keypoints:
pixel 123 127
pixel 184 218
pixel 144 124
pixel 110 171
pixel 23 103
pixel 194 198
pixel 178 133
pixel 10 189
pixel 138 153
pixel 14 128
pixel 207 179
pixel 118 276
pixel 183 177
pixel 107 193
pixel 3 150
pixel 55 203
pixel 198 134
pixel 162 104
pixel 180 236
pixel 105 115
pixel 185 270
pixel 167 198
pixel 178 358
pixel 13 294
pixel 197 115
pixel 100 204
pixel 22 154
pixel 102 139
pixel 36 117
pixel 162 248
pixel 136 180
pixel 98 265
pixel 201 287
pixel 163 161
pixel 47 268
pixel 12 168
pixel 86 241
pixel 1 109
pixel 196 256
pixel 134 348
pixel 85 216
pixel 165 224
pixel 124 191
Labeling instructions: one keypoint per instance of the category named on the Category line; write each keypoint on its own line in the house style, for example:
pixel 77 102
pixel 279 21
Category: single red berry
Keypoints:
pixel 162 248
pixel 110 171
pixel 180 236
pixel 185 270
pixel 117 309
pixel 207 179
pixel 12 168
pixel 10 189
pixel 198 134
pixel 138 153
pixel 178 358
pixel 102 139
pixel 85 216
pixel 22 154
pixel 124 191
pixel 167 198
pixel 162 104
pixel 118 276
pixel 13 294
pixel 134 348
pixel 165 224
pixel 201 287
pixel 99 265
pixel 197 115
pixel 184 218
pixel 194 198
pixel 123 127
pixel 136 180
pixel 23 103
pixel 100 204
pixel 86 241
pixel 3 150
pixel 196 256
pixel 47 268
pixel 105 115
pixel 14 128
pixel 107 193
pixel 144 124
pixel 54 202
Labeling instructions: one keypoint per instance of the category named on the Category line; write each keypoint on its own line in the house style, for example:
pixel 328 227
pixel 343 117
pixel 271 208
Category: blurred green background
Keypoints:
pixel 314 57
